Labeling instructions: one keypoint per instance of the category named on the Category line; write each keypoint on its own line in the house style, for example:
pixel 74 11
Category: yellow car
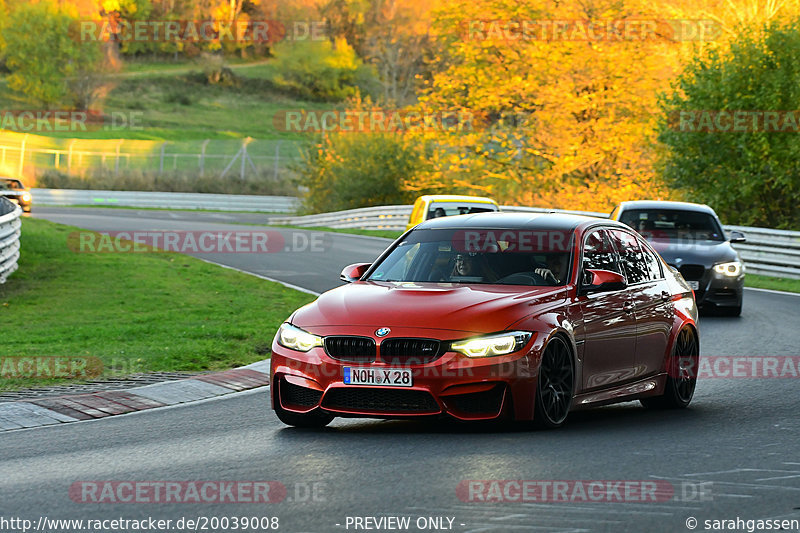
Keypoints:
pixel 445 205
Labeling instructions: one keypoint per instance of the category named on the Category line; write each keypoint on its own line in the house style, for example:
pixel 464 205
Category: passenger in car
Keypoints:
pixel 472 265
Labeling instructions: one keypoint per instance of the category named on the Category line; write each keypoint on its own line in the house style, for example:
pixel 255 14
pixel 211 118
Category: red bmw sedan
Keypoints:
pixel 489 316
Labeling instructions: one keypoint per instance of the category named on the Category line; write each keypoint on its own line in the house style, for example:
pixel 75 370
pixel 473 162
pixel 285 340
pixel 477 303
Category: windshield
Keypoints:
pixel 673 224
pixel 10 184
pixel 483 256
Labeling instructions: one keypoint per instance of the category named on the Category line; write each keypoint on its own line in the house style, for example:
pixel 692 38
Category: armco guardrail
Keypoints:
pixel 767 251
pixel 169 200
pixel 388 217
pixel 9 237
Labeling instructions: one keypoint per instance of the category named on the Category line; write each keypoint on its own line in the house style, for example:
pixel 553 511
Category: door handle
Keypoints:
pixel 628 307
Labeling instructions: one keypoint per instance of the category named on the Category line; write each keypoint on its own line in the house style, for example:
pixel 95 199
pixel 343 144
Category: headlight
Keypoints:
pixel 26 197
pixel 732 269
pixel 500 344
pixel 297 339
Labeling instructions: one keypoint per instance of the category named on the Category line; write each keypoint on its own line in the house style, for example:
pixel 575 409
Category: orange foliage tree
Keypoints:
pixel 566 121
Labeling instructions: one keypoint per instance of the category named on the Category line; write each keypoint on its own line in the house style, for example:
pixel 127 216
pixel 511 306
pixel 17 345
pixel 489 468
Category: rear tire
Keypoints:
pixel 681 374
pixel 555 386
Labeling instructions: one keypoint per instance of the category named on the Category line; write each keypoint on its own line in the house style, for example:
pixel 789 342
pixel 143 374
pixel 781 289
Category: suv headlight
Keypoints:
pixel 732 269
pixel 498 344
pixel 297 339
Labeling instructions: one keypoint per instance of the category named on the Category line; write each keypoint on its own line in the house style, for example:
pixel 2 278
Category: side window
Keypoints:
pixel 630 253
pixel 653 263
pixel 598 253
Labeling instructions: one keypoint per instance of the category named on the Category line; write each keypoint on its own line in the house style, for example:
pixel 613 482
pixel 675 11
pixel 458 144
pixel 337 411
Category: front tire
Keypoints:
pixel 682 370
pixel 555 385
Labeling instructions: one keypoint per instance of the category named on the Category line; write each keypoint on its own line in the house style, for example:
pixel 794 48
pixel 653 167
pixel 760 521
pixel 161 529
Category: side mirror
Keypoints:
pixel 353 272
pixel 736 237
pixel 603 281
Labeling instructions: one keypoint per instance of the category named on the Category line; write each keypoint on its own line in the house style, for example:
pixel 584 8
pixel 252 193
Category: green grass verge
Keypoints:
pixel 777 284
pixel 135 312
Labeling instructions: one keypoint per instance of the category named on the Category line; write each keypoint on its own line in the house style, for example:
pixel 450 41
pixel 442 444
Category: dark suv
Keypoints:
pixel 690 238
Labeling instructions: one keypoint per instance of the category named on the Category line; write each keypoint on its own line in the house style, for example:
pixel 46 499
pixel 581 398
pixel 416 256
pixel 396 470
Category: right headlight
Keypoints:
pixel 499 344
pixel 295 338
pixel 732 269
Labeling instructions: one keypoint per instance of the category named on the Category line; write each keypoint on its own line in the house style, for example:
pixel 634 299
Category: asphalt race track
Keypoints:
pixel 735 453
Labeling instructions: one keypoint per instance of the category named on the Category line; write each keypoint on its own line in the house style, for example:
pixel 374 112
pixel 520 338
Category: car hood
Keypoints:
pixel 469 308
pixel 696 253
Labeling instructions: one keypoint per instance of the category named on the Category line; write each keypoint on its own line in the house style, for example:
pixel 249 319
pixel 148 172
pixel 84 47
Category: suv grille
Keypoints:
pixel 380 400
pixel 692 272
pixel 410 351
pixel 352 349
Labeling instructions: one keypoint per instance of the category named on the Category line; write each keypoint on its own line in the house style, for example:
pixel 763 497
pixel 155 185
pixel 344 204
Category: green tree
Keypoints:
pixel 320 70
pixel 48 61
pixel 750 174
pixel 3 24
pixel 349 170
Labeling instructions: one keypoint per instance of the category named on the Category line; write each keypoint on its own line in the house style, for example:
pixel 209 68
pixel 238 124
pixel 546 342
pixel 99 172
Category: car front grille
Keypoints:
pixel 410 351
pixel 292 394
pixel 692 272
pixel 351 349
pixel 380 400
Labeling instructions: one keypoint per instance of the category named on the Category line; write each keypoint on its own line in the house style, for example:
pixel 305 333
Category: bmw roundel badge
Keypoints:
pixel 382 332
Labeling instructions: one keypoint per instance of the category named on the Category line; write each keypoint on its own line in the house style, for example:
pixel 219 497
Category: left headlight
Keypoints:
pixel 499 344
pixel 732 269
pixel 26 197
pixel 297 339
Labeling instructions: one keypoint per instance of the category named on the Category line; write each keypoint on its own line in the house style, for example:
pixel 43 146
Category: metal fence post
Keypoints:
pixel 116 165
pixel 277 158
pixel 203 157
pixel 22 155
pixel 69 155
pixel 161 162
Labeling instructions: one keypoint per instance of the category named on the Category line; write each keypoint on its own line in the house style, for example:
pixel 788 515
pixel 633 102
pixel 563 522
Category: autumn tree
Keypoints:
pixel 49 62
pixel 565 121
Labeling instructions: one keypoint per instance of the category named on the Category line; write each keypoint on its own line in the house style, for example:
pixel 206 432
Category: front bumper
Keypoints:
pixel 715 290
pixel 452 385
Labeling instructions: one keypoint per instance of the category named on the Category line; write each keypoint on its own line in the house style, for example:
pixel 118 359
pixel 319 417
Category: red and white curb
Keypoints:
pixel 49 411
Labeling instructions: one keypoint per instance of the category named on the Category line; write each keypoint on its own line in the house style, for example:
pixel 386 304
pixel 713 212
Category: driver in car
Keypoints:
pixel 552 272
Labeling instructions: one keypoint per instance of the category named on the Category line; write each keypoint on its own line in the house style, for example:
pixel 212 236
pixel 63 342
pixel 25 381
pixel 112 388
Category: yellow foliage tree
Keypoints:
pixel 569 122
